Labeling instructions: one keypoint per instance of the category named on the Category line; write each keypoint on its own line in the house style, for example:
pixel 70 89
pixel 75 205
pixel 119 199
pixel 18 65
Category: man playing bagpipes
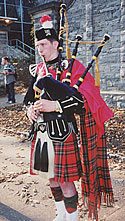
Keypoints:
pixel 56 147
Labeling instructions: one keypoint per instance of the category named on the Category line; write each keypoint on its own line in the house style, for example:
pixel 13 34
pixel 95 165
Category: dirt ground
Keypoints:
pixel 31 196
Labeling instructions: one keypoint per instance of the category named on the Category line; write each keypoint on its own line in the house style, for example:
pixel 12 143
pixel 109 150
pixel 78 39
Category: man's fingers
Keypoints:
pixel 38 106
pixel 32 114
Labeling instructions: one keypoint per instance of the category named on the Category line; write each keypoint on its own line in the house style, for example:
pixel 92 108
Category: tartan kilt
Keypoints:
pixel 67 163
pixel 67 160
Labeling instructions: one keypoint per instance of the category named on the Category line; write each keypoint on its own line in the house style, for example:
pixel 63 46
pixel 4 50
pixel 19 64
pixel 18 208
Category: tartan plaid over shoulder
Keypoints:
pixel 95 181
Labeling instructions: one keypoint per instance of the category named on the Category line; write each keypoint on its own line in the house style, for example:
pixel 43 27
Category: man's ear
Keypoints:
pixel 55 44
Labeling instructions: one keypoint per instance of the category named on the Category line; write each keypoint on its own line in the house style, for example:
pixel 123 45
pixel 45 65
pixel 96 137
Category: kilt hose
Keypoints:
pixel 95 180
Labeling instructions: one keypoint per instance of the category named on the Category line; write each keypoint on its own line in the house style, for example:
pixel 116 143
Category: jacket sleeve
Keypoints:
pixel 72 104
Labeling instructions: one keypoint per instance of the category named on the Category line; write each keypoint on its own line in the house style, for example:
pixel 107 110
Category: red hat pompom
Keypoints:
pixel 46 21
pixel 45 18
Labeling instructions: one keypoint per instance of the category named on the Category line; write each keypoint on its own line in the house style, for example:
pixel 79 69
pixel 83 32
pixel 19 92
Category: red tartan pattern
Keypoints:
pixel 96 178
pixel 67 160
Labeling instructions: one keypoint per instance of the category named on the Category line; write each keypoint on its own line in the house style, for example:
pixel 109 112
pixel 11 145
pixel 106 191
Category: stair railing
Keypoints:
pixel 22 46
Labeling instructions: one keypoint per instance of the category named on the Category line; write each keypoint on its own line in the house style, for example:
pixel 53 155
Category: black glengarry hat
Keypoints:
pixel 46 31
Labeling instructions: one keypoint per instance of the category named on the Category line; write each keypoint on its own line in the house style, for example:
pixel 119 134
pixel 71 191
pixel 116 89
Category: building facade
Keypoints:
pixel 15 22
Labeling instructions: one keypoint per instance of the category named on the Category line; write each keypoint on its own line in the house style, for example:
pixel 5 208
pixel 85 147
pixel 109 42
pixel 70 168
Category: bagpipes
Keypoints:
pixel 52 89
pixel 63 88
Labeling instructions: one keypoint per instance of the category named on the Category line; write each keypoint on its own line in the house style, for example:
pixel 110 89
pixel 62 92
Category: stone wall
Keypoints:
pixel 114 99
pixel 93 19
pixel 122 49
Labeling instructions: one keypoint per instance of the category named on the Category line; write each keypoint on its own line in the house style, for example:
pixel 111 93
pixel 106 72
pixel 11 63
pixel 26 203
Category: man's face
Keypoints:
pixel 47 49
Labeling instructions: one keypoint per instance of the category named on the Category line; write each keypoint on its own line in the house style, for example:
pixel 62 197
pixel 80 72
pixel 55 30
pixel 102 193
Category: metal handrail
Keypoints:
pixel 12 49
pixel 22 46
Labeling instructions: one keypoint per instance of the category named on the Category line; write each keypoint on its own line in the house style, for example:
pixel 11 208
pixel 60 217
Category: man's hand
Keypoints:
pixel 44 105
pixel 32 114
